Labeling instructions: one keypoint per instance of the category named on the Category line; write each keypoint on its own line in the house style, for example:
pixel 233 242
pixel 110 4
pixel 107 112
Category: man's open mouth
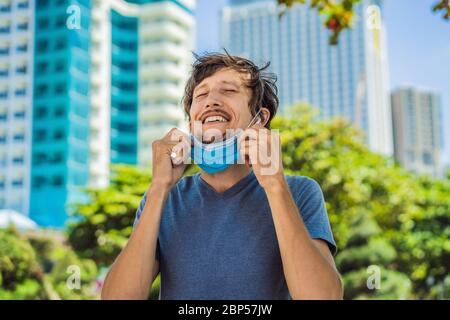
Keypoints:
pixel 214 119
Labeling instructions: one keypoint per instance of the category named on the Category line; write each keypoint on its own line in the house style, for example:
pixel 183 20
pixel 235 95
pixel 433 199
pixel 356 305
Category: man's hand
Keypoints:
pixel 165 172
pixel 261 149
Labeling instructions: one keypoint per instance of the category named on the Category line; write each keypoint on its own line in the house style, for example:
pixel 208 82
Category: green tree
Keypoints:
pixel 362 188
pixel 21 276
pixel 102 226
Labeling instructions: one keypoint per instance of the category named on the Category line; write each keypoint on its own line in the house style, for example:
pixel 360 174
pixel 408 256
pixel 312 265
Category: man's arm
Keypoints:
pixel 135 269
pixel 308 265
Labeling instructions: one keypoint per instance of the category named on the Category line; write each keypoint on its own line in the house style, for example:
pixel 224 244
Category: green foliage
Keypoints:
pixel 102 226
pixel 381 214
pixel 35 266
pixel 20 274
pixel 61 272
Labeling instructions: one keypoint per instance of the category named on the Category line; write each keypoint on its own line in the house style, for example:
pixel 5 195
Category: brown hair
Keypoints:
pixel 262 84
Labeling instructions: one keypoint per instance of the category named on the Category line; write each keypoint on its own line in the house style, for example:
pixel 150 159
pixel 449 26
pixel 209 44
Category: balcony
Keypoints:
pixel 169 70
pixel 165 91
pixel 166 30
pixel 164 49
pixel 161 112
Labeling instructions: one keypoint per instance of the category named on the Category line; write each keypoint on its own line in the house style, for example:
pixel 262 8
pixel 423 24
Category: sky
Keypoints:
pixel 418 47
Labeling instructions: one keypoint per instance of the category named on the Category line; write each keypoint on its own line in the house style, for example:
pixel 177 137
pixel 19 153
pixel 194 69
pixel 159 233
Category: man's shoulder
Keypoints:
pixel 297 181
pixel 186 183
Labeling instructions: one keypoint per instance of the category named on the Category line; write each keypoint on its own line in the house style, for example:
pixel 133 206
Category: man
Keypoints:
pixel 235 231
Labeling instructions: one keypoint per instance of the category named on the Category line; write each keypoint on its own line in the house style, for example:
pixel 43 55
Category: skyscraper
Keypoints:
pixel 16 90
pixel 61 109
pixel 349 80
pixel 107 78
pixel 418 138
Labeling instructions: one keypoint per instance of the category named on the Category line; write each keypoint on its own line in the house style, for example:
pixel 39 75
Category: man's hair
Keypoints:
pixel 261 84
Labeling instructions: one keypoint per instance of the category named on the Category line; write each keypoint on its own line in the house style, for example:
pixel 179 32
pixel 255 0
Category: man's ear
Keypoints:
pixel 264 115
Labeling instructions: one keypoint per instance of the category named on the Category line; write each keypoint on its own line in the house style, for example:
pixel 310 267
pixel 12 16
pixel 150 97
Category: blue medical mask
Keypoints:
pixel 217 156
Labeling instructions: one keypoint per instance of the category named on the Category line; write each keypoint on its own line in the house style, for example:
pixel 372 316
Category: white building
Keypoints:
pixel 163 33
pixel 349 80
pixel 417 122
pixel 16 92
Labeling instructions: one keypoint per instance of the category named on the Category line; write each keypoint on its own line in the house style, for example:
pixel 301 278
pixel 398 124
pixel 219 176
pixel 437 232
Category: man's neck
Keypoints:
pixel 224 180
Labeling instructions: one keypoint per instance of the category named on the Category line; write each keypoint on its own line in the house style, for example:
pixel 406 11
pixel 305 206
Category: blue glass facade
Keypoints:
pixel 124 89
pixel 60 147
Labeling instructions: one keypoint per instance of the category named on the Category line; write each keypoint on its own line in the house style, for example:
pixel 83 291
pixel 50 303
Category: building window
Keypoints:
pixel 60 22
pixel 18 137
pixel 57 158
pixel 59 66
pixel 4 72
pixel 42 45
pixel 4 51
pixel 41 90
pixel 22 26
pixel 41 3
pixel 5 7
pixel 59 112
pixel 3 139
pixel 42 67
pixel 58 181
pixel 19 114
pixel 40 113
pixel 58 134
pixel 43 23
pixel 21 69
pixel 22 5
pixel 17 183
pixel 40 135
pixel 60 44
pixel 3 116
pixel 18 160
pixel 39 182
pixel 4 94
pixel 21 92
pixel 5 28
pixel 60 88
pixel 22 48
pixel 39 158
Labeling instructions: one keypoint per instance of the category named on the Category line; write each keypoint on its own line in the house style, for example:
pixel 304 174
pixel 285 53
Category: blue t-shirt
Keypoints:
pixel 223 245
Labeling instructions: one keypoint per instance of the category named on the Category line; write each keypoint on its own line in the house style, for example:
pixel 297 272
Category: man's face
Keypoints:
pixel 221 102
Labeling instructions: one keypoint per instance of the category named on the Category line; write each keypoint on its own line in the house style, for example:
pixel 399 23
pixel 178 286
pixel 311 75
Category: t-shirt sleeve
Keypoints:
pixel 136 219
pixel 310 201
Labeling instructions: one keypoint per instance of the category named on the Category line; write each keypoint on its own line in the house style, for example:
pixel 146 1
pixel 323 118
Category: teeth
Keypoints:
pixel 215 118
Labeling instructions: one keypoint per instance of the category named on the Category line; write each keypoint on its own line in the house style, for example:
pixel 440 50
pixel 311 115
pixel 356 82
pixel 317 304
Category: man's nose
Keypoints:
pixel 213 100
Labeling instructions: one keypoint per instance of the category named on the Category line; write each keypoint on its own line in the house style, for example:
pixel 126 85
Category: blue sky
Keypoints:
pixel 418 47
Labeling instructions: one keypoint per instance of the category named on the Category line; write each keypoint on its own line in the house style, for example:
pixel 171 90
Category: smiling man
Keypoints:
pixel 237 230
